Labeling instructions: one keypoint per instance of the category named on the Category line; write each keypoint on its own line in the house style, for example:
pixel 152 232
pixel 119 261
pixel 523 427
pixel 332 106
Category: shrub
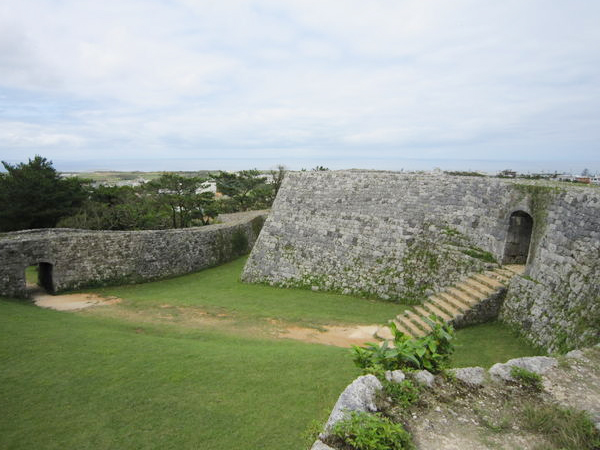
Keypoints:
pixel 365 431
pixel 402 394
pixel 430 352
pixel 527 378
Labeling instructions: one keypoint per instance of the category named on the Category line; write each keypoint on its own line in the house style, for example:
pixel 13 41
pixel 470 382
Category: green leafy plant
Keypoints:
pixel 365 431
pixel 527 378
pixel 403 394
pixel 430 352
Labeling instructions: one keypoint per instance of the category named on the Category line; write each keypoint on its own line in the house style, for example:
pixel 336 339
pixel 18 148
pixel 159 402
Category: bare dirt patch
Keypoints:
pixel 189 316
pixel 73 302
pixel 331 335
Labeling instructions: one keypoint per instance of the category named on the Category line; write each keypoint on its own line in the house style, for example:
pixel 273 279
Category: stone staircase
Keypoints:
pixel 453 303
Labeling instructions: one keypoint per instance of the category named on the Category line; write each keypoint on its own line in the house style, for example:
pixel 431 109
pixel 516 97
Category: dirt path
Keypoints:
pixel 332 335
pixel 71 302
pixel 339 336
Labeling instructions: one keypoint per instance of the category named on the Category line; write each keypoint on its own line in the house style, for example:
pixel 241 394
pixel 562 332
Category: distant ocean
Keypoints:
pixel 482 165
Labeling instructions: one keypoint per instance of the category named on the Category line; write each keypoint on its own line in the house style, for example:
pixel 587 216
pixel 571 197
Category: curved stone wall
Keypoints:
pixel 87 258
pixel 402 235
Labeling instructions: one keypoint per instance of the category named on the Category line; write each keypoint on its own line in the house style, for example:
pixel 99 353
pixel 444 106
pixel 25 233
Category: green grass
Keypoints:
pixel 74 382
pixel 566 428
pixel 218 290
pixel 31 274
pixel 484 345
pixel 101 381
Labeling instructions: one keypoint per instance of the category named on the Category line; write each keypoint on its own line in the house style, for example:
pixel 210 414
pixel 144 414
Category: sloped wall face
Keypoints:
pixel 90 258
pixel 384 234
pixel 558 304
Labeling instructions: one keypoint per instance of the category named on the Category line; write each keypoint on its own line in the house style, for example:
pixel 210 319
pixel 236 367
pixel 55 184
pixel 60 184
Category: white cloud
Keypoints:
pixel 184 78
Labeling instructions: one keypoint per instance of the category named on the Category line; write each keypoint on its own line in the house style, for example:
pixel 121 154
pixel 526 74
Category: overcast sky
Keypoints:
pixel 185 84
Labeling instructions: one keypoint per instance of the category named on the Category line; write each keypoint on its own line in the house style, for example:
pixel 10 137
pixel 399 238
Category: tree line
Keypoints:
pixel 34 195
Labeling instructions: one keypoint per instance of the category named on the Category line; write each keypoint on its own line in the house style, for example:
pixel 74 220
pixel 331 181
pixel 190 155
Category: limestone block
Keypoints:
pixel 472 376
pixel 536 364
pixel 358 396
pixel 319 445
pixel 394 376
pixel 424 377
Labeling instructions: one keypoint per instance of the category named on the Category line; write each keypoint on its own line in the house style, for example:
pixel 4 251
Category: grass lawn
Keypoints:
pixel 219 291
pixel 489 343
pixel 73 382
pixel 104 378
pixel 31 274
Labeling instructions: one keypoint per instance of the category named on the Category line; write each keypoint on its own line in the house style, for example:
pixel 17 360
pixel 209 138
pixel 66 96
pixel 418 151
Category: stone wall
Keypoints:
pixel 384 234
pixel 557 303
pixel 88 258
pixel 400 236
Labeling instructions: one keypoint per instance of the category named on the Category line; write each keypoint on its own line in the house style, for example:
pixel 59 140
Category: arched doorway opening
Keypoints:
pixel 520 227
pixel 39 276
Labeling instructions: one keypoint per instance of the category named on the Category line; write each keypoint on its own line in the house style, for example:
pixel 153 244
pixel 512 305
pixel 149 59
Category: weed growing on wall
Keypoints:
pixel 477 253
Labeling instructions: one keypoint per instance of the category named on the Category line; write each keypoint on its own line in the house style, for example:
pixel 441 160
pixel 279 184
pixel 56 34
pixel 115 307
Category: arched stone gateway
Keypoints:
pixel 518 238
pixel 45 277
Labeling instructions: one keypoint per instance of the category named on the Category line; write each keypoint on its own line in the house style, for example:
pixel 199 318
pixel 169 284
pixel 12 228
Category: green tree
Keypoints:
pixel 118 208
pixel 33 195
pixel 245 188
pixel 278 176
pixel 184 199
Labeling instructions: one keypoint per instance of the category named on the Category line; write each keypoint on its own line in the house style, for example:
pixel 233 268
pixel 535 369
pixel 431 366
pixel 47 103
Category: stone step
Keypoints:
pixel 384 333
pixel 433 309
pixel 401 327
pixel 403 323
pixel 449 303
pixel 486 280
pixel 470 291
pixel 479 286
pixel 461 296
pixel 516 269
pixel 498 276
pixel 420 311
pixel 454 302
pixel 418 320
pixel 505 272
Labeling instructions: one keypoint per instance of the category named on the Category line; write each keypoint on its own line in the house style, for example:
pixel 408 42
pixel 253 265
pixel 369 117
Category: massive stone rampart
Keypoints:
pixel 78 258
pixel 557 303
pixel 402 235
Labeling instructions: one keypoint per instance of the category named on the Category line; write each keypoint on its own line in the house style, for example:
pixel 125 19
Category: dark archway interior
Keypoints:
pixel 45 277
pixel 518 239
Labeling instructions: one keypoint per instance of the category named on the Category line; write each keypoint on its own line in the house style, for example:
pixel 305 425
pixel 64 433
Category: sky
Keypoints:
pixel 232 84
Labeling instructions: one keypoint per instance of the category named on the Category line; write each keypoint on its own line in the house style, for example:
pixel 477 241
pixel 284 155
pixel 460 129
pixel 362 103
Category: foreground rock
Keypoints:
pixel 358 396
pixel 474 409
